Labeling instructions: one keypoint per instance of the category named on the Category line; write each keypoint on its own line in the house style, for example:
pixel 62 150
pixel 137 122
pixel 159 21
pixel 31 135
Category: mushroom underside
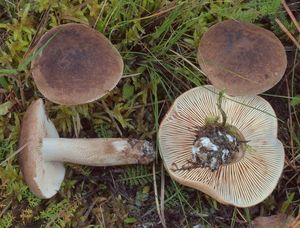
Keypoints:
pixel 242 183
pixel 44 178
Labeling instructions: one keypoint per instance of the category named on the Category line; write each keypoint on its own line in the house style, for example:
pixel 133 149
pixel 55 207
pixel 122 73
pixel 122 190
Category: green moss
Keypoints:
pixel 58 214
pixel 157 40
pixel 7 220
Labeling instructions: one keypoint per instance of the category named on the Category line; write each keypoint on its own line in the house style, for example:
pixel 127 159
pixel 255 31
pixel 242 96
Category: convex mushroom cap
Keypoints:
pixel 241 58
pixel 242 183
pixel 78 65
pixel 43 153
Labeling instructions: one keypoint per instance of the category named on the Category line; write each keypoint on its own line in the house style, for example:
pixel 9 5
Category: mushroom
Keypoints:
pixel 242 176
pixel 43 153
pixel 241 58
pixel 78 65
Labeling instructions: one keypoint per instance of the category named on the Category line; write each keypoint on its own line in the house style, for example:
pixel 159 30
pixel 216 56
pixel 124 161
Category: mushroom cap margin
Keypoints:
pixel 43 178
pixel 231 184
pixel 241 58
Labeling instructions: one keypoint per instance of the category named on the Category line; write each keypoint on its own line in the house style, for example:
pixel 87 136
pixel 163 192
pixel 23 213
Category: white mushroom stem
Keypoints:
pixel 98 152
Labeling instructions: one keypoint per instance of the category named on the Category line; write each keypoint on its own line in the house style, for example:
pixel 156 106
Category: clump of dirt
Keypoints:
pixel 216 145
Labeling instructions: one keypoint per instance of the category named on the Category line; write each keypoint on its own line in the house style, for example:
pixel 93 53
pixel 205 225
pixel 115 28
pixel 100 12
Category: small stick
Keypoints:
pixel 162 195
pixel 286 31
pixel 41 25
pixel 193 165
pixel 287 9
pixel 290 122
pixel 163 223
pixel 5 208
pixel 296 222
pixel 13 154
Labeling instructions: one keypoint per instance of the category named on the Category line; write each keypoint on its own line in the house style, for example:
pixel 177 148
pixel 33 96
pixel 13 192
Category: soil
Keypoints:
pixel 215 145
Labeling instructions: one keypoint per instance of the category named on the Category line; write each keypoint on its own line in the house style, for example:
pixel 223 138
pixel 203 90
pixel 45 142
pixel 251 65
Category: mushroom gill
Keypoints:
pixel 243 182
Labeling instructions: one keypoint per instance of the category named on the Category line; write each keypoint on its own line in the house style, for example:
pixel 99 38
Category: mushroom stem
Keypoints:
pixel 98 152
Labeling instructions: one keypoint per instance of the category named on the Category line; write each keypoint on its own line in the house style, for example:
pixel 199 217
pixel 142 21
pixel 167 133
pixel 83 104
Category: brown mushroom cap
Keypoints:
pixel 241 58
pixel 77 66
pixel 43 178
pixel 242 183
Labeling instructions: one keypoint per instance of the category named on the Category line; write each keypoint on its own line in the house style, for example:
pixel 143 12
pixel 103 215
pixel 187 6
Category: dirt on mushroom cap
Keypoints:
pixel 243 183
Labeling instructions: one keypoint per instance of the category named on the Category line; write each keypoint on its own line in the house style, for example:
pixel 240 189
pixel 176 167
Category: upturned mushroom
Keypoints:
pixel 241 58
pixel 43 153
pixel 238 162
pixel 78 65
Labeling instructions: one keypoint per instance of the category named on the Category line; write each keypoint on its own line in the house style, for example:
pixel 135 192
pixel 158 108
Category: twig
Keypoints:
pixel 13 154
pixel 287 9
pixel 290 180
pixel 189 62
pixel 156 196
pixel 158 13
pixel 290 122
pixel 296 222
pixel 131 75
pixel 76 123
pixel 5 208
pixel 241 215
pixel 113 180
pixel 155 191
pixel 102 216
pixel 88 211
pixel 286 31
pixel 100 14
pixel 42 24
pixel 162 195
pixel 146 105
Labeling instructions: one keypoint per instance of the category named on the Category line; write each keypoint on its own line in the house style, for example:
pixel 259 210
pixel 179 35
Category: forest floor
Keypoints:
pixel 158 41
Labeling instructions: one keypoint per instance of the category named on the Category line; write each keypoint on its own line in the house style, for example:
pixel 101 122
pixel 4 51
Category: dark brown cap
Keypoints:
pixel 241 58
pixel 43 178
pixel 78 65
